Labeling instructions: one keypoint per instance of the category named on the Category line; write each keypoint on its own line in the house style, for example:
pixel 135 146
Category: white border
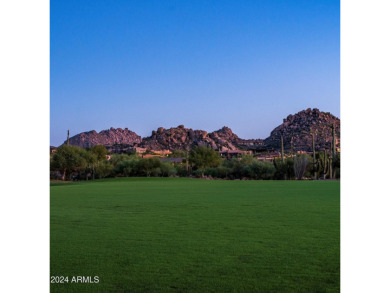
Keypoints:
pixel 24 120
pixel 365 196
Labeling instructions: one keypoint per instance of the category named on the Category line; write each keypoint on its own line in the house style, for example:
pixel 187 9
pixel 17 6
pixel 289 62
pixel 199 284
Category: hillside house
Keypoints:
pixel 150 156
pixel 139 150
pixel 162 152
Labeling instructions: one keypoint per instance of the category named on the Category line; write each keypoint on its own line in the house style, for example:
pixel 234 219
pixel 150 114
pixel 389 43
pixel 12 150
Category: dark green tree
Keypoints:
pixel 204 157
pixel 149 167
pixel 91 161
pixel 284 170
pixel 100 151
pixel 104 169
pixel 167 169
pixel 68 159
pixel 314 156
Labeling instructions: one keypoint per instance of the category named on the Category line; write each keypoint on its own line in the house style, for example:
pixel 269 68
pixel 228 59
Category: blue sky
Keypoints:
pixel 204 64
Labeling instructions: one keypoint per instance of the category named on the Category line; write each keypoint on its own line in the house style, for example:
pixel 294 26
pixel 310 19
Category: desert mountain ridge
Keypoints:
pixel 297 131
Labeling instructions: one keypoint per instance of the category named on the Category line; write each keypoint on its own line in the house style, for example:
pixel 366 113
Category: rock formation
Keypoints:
pixel 297 129
pixel 181 138
pixel 107 137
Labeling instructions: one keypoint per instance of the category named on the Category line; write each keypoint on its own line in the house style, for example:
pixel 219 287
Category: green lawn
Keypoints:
pixel 191 235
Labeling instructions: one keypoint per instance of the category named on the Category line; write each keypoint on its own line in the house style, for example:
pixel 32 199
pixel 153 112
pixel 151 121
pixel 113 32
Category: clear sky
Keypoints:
pixel 205 64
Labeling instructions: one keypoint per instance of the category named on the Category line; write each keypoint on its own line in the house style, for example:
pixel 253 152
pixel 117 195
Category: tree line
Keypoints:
pixel 74 163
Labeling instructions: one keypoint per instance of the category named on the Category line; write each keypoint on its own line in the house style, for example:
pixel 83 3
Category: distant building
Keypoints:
pixel 52 149
pixel 162 152
pixel 150 156
pixel 268 157
pixel 139 150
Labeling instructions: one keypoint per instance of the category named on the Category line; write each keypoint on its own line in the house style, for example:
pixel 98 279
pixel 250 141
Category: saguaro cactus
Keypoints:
pixel 333 151
pixel 331 162
pixel 67 139
pixel 314 156
pixel 282 153
pixel 292 145
pixel 324 163
pixel 333 141
pixel 187 167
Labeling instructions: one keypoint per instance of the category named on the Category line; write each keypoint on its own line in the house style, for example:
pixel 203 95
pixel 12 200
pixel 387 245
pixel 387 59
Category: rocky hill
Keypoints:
pixel 105 137
pixel 297 129
pixel 181 138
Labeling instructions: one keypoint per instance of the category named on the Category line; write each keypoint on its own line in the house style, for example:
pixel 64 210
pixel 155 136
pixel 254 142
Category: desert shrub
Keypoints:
pixel 246 172
pixel 154 172
pixel 259 170
pixel 149 167
pixel 181 170
pixel 128 167
pixel 337 173
pixel 240 166
pixel 131 152
pixel 290 168
pixel 204 157
pixel 213 172
pixel 167 169
pixel 284 170
pixel 197 173
pixel 267 170
pixel 337 161
pixel 246 166
pixel 300 165
pixel 224 172
pixel 104 169
pixel 115 159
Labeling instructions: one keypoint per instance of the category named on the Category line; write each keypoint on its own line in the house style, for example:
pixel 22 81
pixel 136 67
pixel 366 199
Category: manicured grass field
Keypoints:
pixel 192 235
